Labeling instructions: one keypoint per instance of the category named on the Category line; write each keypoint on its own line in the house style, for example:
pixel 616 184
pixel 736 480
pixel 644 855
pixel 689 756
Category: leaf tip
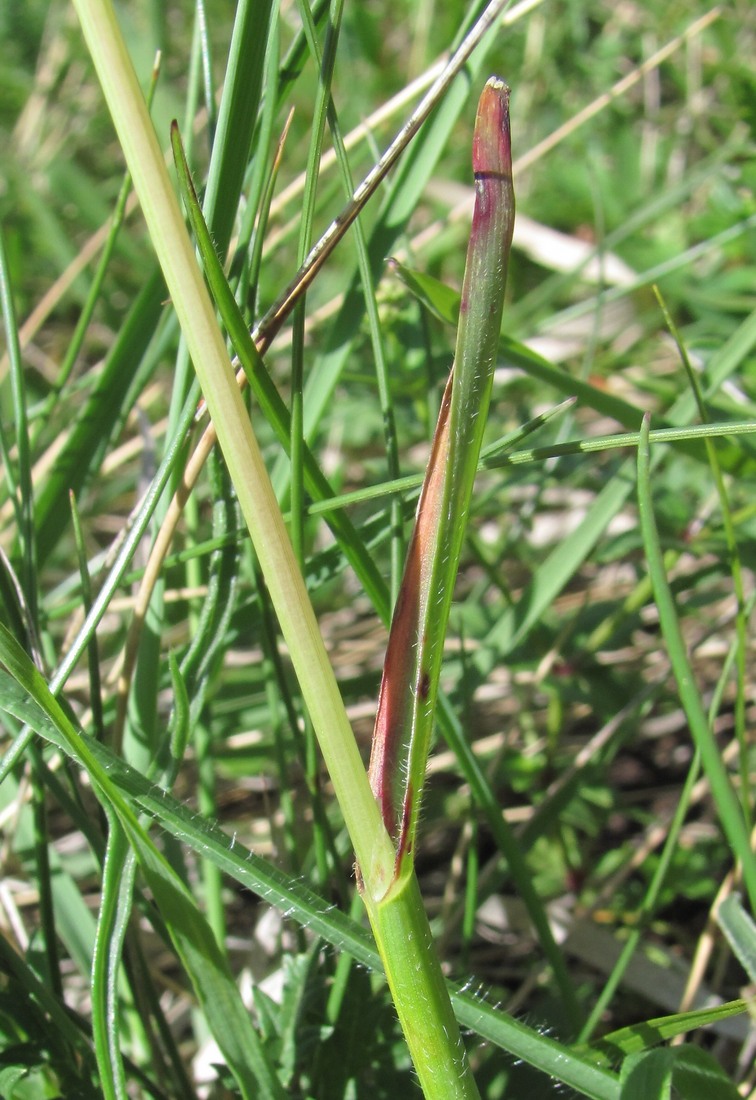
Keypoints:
pixel 492 146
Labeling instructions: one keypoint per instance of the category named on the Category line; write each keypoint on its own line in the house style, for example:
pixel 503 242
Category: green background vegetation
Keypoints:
pixel 557 672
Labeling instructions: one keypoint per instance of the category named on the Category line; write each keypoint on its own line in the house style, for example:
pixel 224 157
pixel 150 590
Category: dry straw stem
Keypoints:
pixel 259 506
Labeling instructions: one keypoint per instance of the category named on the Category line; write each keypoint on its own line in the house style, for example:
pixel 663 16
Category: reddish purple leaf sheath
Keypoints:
pixel 406 703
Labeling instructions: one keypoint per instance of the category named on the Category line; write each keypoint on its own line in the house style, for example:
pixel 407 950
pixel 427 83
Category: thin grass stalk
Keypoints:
pixel 646 909
pixel 736 568
pixel 21 491
pixel 727 803
pixel 271 403
pixel 474 31
pixel 325 67
pixel 375 854
pixel 112 581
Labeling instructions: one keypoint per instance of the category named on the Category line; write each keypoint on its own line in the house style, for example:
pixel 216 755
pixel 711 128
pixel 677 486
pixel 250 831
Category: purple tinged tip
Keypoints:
pixel 492 147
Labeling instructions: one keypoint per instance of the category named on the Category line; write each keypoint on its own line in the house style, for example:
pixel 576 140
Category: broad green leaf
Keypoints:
pixel 696 1075
pixel 647 1076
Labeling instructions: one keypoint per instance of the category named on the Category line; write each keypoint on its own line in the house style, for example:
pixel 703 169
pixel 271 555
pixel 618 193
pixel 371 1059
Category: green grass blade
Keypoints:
pixel 240 448
pixel 646 909
pixel 741 622
pixel 477 26
pixel 443 302
pixel 82 454
pixel 23 496
pixel 324 60
pixel 237 117
pixel 66 1040
pixel 93 654
pixel 95 289
pixel 511 848
pixel 255 219
pixel 728 807
pixel 412 175
pixel 637 1038
pixel 115 575
pixel 268 396
pixel 740 930
pixel 118 876
pixel 204 961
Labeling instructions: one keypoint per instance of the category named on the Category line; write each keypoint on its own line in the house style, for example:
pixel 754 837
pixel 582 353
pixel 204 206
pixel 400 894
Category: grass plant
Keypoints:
pixel 214 433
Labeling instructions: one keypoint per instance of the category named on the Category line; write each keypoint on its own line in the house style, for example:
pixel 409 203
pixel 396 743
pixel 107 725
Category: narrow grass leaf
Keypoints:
pixel 490 456
pixel 67 1039
pixel 740 930
pixel 93 656
pixel 265 390
pixel 240 447
pixel 238 114
pixel 412 175
pixel 511 847
pixel 639 1037
pixel 324 61
pixel 82 454
pixel 117 881
pixel 727 805
pixel 23 496
pixel 443 302
pixel 438 298
pixel 205 963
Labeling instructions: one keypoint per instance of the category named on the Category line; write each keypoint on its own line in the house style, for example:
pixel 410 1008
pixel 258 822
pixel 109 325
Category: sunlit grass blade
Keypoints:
pixel 265 390
pixel 115 905
pixel 636 1038
pixel 740 930
pixel 405 190
pixel 20 482
pixel 728 808
pixel 443 302
pixel 647 908
pixel 736 566
pixel 240 448
pixel 469 41
pixel 103 411
pixel 238 114
pixel 410 680
pixel 490 456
